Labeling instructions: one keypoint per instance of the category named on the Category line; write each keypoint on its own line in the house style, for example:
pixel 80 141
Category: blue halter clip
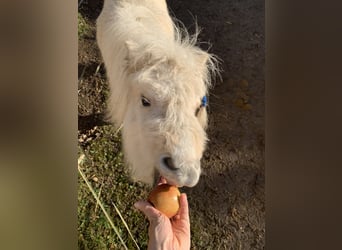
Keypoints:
pixel 204 101
pixel 203 104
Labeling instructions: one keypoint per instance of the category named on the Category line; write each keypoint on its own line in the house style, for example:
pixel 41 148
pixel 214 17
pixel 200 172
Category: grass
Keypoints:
pixel 103 174
pixel 103 168
pixel 83 26
pixel 98 202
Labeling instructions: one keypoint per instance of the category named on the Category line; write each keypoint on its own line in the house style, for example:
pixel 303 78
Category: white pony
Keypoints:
pixel 158 82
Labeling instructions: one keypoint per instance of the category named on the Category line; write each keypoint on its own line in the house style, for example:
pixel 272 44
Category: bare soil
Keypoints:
pixel 229 200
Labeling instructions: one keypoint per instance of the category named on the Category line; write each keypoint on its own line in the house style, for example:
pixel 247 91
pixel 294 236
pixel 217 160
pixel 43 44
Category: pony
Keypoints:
pixel 158 81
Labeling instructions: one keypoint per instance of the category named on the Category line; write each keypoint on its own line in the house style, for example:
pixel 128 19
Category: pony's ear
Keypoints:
pixel 136 59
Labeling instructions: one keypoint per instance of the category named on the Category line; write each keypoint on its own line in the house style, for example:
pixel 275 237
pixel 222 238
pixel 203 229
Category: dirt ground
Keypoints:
pixel 229 200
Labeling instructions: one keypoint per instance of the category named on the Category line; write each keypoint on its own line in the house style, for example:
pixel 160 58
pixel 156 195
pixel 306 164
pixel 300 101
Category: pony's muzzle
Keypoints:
pixel 177 174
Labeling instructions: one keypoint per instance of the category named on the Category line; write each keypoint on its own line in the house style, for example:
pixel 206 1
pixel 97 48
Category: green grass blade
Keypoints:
pixel 124 222
pixel 80 159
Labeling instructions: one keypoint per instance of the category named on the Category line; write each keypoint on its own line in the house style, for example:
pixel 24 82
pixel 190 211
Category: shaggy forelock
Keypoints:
pixel 175 58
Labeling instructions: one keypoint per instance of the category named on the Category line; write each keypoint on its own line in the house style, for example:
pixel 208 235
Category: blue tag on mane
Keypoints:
pixel 204 101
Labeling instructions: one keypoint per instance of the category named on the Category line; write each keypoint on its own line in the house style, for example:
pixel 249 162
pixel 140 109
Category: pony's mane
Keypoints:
pixel 185 39
pixel 160 51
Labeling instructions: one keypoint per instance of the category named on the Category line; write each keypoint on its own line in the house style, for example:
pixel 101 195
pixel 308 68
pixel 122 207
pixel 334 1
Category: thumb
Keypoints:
pixel 150 212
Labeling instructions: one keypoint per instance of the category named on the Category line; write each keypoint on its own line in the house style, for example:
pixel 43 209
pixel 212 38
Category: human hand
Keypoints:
pixel 165 233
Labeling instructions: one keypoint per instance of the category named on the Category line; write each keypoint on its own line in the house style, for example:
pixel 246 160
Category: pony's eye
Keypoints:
pixel 145 102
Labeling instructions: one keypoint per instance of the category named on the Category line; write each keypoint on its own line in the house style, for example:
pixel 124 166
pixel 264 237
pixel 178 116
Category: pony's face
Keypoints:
pixel 165 121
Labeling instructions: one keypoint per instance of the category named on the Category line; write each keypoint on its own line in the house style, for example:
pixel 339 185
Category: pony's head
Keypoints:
pixel 165 116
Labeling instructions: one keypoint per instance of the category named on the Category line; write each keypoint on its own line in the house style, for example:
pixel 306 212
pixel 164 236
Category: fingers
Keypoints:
pixel 184 207
pixel 150 212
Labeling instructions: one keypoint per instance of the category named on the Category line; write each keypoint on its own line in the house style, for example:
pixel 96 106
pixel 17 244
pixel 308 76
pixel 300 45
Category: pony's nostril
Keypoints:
pixel 168 162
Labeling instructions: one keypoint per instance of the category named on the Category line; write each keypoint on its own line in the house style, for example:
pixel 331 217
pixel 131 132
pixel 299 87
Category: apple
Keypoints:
pixel 165 198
